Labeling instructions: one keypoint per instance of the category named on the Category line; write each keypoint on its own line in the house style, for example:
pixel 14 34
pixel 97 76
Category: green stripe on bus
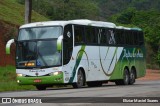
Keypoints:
pixel 106 73
pixel 78 59
pixel 115 52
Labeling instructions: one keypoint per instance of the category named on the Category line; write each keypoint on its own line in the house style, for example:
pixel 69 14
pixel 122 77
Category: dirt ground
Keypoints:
pixel 151 75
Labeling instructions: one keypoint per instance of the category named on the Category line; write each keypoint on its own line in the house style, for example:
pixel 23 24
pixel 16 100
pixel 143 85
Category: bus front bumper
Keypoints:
pixel 55 79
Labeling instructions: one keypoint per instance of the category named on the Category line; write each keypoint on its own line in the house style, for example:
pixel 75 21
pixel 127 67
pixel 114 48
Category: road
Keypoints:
pixel 139 89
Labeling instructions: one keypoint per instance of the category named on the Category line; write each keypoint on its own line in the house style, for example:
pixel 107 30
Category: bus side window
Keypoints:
pixel 103 36
pixel 118 36
pixel 94 37
pixel 78 33
pixel 141 39
pixel 130 38
pixel 133 37
pixel 127 37
pixel 90 35
pixel 136 39
pixel 111 37
pixel 122 38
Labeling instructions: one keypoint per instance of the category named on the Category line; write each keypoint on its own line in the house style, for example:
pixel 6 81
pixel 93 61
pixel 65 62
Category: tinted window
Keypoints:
pixel 78 34
pixel 67 43
pixel 120 37
pixel 90 35
pixel 110 36
pixel 102 35
pixel 141 39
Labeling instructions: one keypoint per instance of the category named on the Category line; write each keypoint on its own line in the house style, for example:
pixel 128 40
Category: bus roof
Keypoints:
pixel 126 28
pixel 78 22
pixel 63 23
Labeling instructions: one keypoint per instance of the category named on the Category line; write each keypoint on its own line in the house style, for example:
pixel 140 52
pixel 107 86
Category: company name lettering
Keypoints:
pixel 128 54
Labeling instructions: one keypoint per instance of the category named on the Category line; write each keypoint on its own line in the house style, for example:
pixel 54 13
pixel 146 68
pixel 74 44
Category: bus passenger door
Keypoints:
pixel 67 44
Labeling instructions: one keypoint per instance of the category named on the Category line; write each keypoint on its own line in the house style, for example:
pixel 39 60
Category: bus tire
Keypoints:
pixel 125 80
pixel 41 87
pixel 132 76
pixel 80 79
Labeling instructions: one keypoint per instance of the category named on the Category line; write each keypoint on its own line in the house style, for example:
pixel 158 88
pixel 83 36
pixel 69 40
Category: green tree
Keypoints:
pixel 66 9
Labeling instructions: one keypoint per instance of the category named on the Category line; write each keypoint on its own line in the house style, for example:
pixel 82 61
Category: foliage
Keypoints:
pixel 65 9
pixel 13 12
pixel 8 80
pixel 11 33
pixel 126 16
pixel 149 21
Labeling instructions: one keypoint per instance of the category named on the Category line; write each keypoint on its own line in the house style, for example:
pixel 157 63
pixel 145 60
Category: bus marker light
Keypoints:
pixel 20 75
pixel 37 80
pixel 29 64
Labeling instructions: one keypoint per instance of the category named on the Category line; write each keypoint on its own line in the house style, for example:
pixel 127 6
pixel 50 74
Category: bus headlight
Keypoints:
pixel 56 73
pixel 20 75
pixel 18 81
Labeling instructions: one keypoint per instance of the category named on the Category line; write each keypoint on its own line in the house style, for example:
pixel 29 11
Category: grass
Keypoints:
pixel 13 12
pixel 8 80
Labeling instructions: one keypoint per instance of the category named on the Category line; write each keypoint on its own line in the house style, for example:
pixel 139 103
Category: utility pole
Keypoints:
pixel 28 11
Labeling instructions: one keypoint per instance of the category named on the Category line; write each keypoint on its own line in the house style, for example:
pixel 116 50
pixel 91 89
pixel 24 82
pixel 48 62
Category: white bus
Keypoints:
pixel 78 52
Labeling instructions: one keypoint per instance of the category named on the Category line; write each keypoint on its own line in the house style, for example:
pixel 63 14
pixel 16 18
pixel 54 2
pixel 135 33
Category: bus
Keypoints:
pixel 78 52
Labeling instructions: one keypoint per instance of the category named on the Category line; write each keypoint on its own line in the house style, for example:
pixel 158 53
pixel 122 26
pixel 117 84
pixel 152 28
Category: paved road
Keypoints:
pixel 139 89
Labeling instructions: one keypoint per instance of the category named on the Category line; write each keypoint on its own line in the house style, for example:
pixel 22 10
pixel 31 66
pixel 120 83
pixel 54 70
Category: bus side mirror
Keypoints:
pixel 59 43
pixel 8 45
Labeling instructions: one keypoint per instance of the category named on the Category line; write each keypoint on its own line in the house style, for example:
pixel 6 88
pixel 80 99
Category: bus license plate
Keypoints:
pixel 37 80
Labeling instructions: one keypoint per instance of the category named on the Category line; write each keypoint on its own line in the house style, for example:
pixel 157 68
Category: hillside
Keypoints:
pixel 12 12
pixel 11 17
pixel 112 7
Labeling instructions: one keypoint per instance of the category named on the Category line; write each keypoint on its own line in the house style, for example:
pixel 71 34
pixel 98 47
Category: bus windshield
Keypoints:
pixel 40 33
pixel 35 48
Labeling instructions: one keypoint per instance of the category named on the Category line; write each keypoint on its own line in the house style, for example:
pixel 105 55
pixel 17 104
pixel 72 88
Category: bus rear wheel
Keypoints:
pixel 132 77
pixel 80 80
pixel 125 80
pixel 41 87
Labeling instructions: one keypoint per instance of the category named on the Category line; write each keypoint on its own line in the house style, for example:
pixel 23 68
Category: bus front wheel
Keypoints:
pixel 80 80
